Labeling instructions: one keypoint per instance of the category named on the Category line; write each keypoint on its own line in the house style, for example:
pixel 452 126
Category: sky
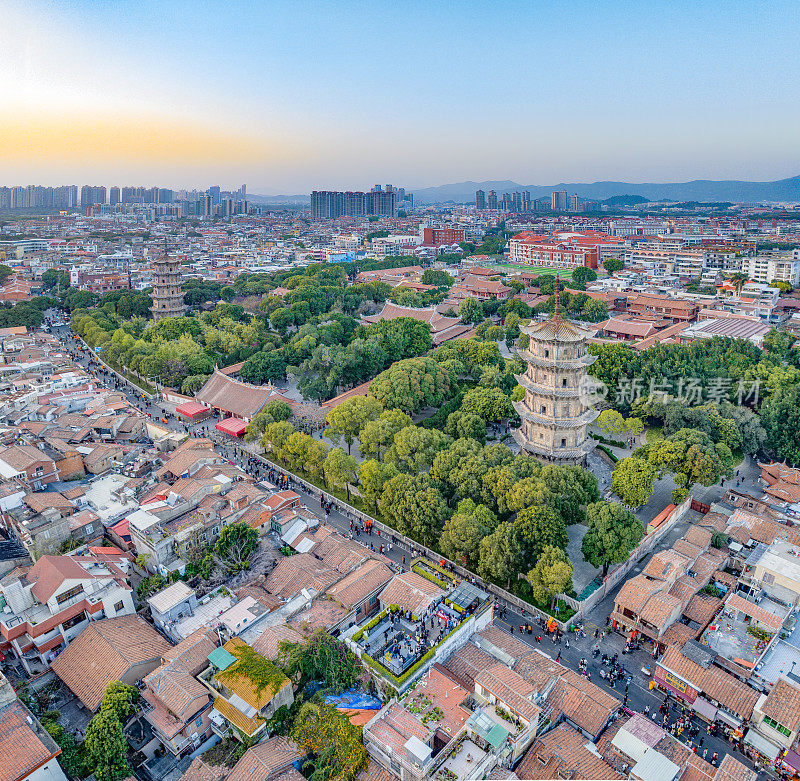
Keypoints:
pixel 290 96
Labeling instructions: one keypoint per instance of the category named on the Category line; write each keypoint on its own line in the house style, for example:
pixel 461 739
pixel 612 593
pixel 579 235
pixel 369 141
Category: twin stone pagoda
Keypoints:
pixel 556 410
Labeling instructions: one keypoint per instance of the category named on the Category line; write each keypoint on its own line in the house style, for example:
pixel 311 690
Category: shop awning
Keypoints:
pixel 762 745
pixel 792 759
pixel 727 718
pixel 233 426
pixel 191 409
pixel 705 709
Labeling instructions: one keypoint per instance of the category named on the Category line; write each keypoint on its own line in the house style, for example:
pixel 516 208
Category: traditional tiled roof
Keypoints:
pixel 730 692
pixel 699 536
pixel 467 662
pixel 375 772
pixel 410 591
pixel 739 603
pixel 260 762
pixel 23 748
pixel 563 753
pixel 658 609
pixel 582 702
pixel 295 573
pixel 666 565
pixel 201 771
pixel 268 642
pixel 354 588
pixel 234 396
pixel 243 723
pixel 505 641
pixel 731 769
pixel 510 689
pixel 50 572
pixel 702 608
pixel 538 669
pixel 783 704
pixel 104 652
pixel 174 684
pixel 678 634
pixel 635 592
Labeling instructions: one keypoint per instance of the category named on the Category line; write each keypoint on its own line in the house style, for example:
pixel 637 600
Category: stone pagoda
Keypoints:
pixel 556 410
pixel 167 291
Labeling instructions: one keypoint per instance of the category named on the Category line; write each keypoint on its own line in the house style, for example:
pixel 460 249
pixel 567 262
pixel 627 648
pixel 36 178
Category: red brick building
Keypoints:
pixel 436 237
pixel 539 250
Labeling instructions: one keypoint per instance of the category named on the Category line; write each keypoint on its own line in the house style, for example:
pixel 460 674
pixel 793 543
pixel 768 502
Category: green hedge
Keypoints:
pixel 381 670
pixel 429 576
pixel 605 440
pixel 608 453
pixel 432 565
pixel 374 622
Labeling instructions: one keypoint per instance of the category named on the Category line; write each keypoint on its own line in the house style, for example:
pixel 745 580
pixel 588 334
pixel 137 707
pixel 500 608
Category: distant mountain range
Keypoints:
pixel 698 190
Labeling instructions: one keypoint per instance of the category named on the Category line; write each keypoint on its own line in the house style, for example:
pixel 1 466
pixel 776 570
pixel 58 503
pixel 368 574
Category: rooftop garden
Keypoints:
pixel 259 672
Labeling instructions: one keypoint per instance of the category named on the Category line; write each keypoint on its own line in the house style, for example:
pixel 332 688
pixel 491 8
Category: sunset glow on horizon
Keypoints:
pixel 289 96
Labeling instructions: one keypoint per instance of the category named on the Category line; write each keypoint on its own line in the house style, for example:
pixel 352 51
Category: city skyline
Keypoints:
pixel 198 93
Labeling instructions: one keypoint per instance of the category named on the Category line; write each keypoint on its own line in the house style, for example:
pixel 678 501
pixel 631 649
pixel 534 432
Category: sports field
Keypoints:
pixel 563 273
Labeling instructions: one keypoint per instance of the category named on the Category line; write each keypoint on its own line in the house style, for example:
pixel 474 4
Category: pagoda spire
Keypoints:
pixel 557 309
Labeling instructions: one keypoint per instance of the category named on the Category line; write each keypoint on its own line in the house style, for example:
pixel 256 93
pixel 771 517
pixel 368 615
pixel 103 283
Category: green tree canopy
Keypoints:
pixel 463 532
pixel 346 420
pixel 632 481
pixel 372 476
pixel 501 555
pixel 539 527
pixel 614 531
pixel 340 469
pixel 377 436
pixel 551 575
pixel 781 417
pixel 414 506
pixel 415 449
pixel 411 384
pixel 489 404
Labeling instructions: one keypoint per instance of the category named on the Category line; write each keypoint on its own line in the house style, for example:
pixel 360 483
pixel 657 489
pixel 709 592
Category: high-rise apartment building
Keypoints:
pixel 329 205
pixel 558 200
pixel 214 192
pixel 480 200
pixel 492 200
pixel 574 203
pixel 91 195
pixel 114 196
pixel 205 206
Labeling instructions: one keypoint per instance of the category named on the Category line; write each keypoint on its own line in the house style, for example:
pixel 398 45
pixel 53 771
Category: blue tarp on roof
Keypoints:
pixel 354 699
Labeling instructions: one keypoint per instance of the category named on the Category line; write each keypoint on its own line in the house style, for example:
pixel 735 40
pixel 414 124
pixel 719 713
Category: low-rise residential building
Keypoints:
pixel 29 465
pixel 690 675
pixel 113 649
pixel 247 689
pixel 776 718
pixel 27 752
pixel 175 703
pixel 49 604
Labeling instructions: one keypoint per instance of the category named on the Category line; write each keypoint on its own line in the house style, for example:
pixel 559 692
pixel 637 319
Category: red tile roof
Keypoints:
pixel 22 750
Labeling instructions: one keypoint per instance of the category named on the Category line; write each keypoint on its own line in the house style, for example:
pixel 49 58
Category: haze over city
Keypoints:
pixel 292 96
